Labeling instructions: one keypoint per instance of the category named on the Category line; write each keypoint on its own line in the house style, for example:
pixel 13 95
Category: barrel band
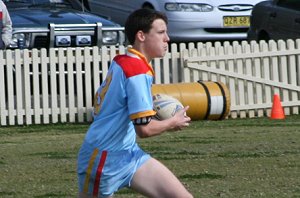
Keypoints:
pixel 224 99
pixel 208 98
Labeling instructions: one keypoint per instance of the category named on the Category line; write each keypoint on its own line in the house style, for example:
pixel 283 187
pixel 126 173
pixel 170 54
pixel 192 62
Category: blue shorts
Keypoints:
pixel 101 173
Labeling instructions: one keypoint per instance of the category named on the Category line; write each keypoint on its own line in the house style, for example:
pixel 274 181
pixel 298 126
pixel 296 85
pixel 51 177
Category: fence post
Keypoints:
pixel 79 60
pixel 10 87
pixel 232 81
pixel 88 84
pixel 268 96
pixel 240 82
pixel 292 76
pixel 44 81
pixel 283 74
pixel 258 74
pixel 3 96
pixel 274 65
pixel 249 85
pixel 53 61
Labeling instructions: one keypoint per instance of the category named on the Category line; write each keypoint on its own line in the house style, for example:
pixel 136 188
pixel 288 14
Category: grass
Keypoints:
pixel 229 158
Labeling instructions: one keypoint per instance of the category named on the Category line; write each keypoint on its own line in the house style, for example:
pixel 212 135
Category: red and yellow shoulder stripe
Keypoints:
pixel 134 65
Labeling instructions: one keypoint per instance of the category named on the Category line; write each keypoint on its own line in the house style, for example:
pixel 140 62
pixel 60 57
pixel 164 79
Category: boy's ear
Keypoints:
pixel 140 35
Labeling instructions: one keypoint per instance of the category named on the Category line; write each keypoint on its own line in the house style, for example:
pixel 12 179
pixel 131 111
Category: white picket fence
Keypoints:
pixel 252 72
pixel 41 87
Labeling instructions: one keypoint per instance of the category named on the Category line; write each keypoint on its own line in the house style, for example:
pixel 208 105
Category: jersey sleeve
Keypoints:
pixel 139 76
pixel 139 95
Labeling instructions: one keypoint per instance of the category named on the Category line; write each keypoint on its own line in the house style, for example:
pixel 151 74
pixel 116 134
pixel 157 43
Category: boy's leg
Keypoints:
pixel 153 179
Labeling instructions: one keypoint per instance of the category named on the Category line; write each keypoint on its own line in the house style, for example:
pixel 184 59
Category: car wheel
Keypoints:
pixel 263 36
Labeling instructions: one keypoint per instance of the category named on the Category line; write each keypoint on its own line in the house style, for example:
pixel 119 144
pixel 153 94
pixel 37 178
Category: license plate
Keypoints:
pixel 236 21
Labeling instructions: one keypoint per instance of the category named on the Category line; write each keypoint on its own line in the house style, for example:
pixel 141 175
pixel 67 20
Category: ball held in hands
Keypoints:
pixel 165 106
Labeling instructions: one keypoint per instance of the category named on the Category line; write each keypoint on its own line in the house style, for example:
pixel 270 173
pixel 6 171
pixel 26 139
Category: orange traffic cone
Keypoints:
pixel 277 110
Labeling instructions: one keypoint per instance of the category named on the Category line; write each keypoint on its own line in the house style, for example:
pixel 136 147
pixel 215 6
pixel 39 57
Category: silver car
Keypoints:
pixel 189 20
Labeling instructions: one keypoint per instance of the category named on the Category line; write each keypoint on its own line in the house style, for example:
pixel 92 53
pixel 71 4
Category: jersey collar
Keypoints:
pixel 134 53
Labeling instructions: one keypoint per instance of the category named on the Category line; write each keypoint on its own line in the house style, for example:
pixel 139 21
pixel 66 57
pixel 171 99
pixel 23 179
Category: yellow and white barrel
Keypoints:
pixel 208 100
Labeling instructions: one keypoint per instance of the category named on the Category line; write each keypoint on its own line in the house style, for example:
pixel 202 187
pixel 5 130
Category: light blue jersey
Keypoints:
pixel 125 95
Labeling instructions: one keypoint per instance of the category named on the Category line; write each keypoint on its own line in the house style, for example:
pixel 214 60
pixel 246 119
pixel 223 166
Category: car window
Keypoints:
pixel 292 4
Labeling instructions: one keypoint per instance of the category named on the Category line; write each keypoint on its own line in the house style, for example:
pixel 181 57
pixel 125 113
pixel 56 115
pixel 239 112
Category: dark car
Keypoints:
pixel 277 19
pixel 60 23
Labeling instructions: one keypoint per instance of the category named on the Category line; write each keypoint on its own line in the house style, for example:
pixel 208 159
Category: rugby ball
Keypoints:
pixel 165 106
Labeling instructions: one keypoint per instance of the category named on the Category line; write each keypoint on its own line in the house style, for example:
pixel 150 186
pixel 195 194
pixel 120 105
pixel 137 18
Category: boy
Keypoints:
pixel 110 158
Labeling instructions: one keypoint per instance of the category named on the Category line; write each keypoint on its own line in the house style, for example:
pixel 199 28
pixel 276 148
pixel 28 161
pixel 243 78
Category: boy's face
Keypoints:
pixel 156 40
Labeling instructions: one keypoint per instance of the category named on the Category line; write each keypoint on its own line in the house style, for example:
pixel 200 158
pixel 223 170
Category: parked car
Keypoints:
pixel 60 23
pixel 277 19
pixel 189 20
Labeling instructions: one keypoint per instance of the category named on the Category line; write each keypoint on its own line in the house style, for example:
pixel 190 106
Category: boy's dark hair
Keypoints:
pixel 141 19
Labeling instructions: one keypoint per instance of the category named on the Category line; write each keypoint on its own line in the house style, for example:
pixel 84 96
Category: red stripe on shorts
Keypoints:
pixel 99 172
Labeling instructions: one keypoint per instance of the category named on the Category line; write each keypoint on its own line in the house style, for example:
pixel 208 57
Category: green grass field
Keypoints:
pixel 229 158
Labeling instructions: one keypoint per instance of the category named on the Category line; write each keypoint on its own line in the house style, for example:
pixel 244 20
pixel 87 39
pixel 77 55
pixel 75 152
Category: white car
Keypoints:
pixel 189 20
